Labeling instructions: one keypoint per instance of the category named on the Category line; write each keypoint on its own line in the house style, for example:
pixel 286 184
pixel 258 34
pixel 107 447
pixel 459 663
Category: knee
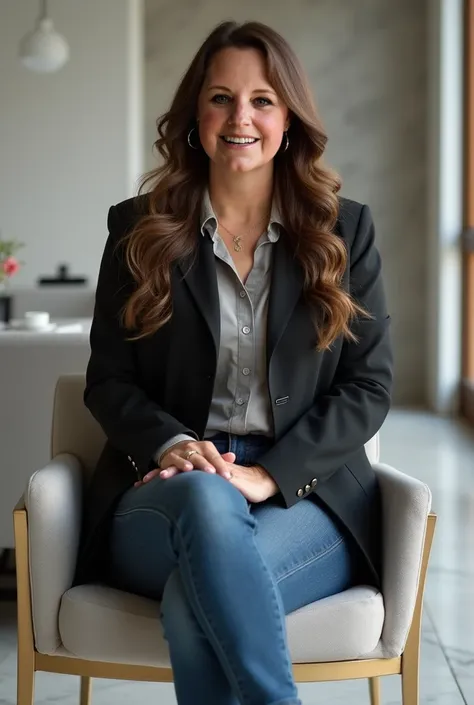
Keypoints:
pixel 204 494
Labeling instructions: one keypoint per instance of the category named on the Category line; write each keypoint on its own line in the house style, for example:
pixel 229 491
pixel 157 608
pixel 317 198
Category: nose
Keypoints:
pixel 240 114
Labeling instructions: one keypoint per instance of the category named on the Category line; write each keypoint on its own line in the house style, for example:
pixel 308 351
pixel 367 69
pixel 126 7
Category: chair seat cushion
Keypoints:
pixel 103 624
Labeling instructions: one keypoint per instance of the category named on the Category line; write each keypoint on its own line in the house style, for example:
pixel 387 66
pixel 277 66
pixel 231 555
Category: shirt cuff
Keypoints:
pixel 179 438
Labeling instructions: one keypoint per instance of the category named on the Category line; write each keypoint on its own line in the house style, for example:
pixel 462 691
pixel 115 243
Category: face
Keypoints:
pixel 241 119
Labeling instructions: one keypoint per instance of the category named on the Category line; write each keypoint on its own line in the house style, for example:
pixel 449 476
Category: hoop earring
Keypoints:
pixel 287 142
pixel 189 138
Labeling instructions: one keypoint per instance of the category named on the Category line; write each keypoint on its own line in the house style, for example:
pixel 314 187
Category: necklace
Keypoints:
pixel 237 239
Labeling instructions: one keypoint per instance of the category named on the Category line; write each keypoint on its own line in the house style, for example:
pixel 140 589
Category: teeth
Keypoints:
pixel 240 140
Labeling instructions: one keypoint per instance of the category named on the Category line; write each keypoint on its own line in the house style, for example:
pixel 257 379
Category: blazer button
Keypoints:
pixel 300 492
pixel 314 482
pixel 307 488
pixel 129 458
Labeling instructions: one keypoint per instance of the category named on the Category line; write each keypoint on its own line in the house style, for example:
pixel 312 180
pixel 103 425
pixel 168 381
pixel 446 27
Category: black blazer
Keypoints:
pixel 326 406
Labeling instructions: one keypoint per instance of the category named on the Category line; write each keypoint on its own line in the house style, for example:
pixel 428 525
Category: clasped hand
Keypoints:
pixel 253 481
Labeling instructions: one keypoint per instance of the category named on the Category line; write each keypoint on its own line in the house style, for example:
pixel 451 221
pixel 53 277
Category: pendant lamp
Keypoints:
pixel 44 50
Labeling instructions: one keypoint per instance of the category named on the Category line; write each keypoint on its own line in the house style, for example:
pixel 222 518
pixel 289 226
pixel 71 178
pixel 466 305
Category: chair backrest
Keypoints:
pixel 74 428
pixel 76 431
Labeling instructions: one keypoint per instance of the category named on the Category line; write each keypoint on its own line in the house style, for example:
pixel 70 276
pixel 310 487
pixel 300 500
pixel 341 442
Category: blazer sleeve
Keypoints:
pixel 343 420
pixel 132 422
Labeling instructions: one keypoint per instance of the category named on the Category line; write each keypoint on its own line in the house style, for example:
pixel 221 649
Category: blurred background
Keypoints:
pixel 394 83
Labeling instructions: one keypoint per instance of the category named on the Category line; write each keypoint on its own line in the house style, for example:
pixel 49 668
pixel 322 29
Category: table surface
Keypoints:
pixel 73 329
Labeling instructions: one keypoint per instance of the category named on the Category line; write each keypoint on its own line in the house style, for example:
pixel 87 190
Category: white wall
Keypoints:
pixel 70 142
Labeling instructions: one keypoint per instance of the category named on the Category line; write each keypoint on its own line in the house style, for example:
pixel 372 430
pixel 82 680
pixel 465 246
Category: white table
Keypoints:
pixel 30 364
pixel 77 330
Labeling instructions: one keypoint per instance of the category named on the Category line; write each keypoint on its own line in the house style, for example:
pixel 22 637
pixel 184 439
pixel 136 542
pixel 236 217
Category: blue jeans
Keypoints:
pixel 226 572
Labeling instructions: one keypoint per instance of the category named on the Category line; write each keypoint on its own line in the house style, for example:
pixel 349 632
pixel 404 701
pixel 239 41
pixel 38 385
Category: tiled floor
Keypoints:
pixel 441 453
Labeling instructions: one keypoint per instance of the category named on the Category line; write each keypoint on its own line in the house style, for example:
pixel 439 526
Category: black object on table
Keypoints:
pixel 5 308
pixel 62 277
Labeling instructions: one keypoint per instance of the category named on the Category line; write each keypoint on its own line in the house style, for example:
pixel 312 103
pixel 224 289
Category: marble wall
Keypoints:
pixel 367 62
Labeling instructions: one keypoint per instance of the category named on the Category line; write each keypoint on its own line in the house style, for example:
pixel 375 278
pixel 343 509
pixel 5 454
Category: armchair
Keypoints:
pixel 94 631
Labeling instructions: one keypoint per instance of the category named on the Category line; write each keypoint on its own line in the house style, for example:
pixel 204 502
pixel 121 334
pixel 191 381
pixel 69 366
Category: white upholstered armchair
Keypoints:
pixel 96 631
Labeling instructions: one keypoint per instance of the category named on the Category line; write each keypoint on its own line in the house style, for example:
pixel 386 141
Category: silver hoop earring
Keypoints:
pixel 189 138
pixel 287 142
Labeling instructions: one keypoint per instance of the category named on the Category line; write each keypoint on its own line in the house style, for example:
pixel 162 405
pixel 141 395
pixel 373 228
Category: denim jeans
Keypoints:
pixel 226 572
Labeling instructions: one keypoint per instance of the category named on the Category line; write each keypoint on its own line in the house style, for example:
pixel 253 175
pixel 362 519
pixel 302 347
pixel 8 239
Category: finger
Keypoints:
pixel 177 461
pixel 151 475
pixel 211 459
pixel 229 458
pixel 169 472
pixel 201 462
pixel 220 463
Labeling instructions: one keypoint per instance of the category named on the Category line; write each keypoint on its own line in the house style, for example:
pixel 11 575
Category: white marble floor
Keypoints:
pixel 438 451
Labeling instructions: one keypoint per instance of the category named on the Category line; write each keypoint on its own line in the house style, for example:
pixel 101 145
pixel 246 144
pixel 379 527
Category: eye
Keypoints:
pixel 265 101
pixel 220 99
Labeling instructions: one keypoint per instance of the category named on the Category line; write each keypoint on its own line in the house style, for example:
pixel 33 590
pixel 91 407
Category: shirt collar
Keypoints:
pixel 209 219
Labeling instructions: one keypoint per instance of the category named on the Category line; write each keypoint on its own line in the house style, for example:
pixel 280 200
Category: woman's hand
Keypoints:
pixel 252 481
pixel 205 457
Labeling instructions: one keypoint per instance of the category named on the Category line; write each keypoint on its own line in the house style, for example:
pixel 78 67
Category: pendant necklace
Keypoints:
pixel 237 239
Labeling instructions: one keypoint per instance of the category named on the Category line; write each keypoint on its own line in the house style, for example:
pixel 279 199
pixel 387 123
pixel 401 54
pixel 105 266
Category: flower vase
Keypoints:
pixel 5 304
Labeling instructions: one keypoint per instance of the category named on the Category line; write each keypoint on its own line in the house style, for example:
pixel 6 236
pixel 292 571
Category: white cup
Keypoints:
pixel 35 320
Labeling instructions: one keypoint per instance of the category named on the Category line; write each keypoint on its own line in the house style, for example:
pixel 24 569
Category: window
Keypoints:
pixel 467 395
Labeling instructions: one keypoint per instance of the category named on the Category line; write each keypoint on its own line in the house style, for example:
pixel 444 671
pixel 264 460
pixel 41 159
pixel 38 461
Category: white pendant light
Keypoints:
pixel 44 50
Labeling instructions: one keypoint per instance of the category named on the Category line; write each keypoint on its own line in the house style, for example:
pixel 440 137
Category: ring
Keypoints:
pixel 189 453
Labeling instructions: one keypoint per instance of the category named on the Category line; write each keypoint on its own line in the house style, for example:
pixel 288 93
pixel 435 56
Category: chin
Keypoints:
pixel 241 165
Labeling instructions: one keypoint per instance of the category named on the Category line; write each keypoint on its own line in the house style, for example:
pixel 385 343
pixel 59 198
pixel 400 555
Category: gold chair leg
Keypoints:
pixel 411 656
pixel 410 681
pixel 25 681
pixel 86 690
pixel 26 650
pixel 374 688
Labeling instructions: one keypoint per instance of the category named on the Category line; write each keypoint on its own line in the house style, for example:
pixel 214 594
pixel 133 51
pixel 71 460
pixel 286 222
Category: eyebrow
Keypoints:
pixel 224 88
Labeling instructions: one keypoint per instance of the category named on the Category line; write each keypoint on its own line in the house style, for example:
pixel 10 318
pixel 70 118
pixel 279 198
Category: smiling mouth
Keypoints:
pixel 239 140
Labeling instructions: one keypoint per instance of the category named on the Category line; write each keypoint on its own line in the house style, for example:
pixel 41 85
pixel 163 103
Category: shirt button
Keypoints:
pixel 240 402
pixel 246 371
pixel 242 294
pixel 246 330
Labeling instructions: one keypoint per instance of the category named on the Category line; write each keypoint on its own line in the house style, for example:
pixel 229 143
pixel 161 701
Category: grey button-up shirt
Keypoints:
pixel 240 402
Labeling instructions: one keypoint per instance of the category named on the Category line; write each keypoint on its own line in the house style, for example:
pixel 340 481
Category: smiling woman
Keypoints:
pixel 240 360
pixel 241 119
pixel 245 81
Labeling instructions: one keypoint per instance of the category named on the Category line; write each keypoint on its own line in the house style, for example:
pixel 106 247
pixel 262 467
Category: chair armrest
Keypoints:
pixel 406 503
pixel 53 501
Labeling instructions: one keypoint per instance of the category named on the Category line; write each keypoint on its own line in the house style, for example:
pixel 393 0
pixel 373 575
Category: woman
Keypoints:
pixel 240 361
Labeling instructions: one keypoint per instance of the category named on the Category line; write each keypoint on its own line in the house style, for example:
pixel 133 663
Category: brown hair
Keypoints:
pixel 169 230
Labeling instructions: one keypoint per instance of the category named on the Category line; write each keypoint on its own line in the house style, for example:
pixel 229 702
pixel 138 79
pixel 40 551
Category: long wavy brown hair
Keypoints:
pixel 169 230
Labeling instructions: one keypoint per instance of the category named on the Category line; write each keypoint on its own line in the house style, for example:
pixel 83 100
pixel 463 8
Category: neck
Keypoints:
pixel 240 199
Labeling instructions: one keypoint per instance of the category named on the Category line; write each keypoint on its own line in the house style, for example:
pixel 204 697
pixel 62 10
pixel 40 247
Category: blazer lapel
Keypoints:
pixel 285 291
pixel 201 278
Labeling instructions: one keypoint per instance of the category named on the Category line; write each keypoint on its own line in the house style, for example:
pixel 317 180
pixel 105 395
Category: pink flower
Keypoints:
pixel 10 266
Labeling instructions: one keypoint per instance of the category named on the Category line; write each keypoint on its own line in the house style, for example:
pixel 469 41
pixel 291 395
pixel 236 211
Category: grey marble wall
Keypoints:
pixel 367 61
